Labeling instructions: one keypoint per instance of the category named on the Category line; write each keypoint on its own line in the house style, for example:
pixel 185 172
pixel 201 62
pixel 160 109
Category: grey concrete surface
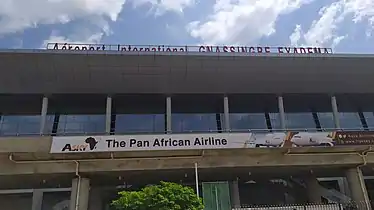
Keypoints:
pixel 57 72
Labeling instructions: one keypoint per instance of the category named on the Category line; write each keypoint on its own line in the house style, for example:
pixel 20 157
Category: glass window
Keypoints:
pixel 245 121
pixel 194 122
pixel 369 117
pixel 275 121
pixel 350 120
pixel 23 125
pixel 303 120
pixel 326 120
pixel 142 123
pixel 78 124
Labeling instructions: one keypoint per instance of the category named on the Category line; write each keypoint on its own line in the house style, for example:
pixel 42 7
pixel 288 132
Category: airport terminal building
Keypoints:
pixel 261 125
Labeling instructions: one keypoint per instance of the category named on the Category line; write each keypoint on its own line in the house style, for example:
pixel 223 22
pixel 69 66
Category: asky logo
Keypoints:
pixel 90 142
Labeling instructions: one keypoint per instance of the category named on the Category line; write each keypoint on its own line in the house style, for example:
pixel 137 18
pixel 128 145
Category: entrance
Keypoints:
pixel 216 195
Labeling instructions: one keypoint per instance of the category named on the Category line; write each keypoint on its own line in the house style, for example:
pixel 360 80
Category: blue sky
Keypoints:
pixel 344 25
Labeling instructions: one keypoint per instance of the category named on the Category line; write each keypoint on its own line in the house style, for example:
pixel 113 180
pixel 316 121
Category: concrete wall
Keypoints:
pixel 31 156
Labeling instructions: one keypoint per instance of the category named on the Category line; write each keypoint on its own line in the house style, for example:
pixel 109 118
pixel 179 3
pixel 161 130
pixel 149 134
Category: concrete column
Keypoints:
pixel 43 115
pixel 80 190
pixel 357 187
pixel 108 114
pixel 313 190
pixel 96 200
pixel 226 113
pixel 282 116
pixel 234 194
pixel 335 112
pixel 168 114
pixel 37 200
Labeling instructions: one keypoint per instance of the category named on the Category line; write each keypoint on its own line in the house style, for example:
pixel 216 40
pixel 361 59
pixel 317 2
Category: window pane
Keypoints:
pixel 369 117
pixel 326 120
pixel 245 121
pixel 79 124
pixel 23 125
pixel 194 122
pixel 350 120
pixel 300 120
pixel 142 123
pixel 275 121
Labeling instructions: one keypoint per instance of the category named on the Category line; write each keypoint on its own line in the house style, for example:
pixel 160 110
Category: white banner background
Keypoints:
pixel 76 144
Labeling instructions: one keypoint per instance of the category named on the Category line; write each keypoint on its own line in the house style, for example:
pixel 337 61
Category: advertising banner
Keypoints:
pixel 75 144
pixel 305 139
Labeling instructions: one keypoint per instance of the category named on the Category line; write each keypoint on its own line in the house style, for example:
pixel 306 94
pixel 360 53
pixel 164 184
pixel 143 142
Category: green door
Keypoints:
pixel 216 196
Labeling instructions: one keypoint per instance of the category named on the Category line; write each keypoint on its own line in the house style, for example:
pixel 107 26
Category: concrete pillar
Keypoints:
pixel 80 190
pixel 108 114
pixel 96 199
pixel 37 200
pixel 282 116
pixel 357 187
pixel 168 114
pixel 313 190
pixel 234 194
pixel 226 113
pixel 335 112
pixel 43 115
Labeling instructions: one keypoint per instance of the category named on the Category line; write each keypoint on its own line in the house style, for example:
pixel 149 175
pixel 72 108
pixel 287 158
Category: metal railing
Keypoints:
pixel 331 206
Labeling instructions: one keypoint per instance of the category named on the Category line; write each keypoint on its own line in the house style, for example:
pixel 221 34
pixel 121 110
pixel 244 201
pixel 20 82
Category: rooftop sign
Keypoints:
pixel 185 49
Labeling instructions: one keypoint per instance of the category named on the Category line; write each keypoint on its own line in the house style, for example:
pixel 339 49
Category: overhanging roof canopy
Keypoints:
pixel 49 71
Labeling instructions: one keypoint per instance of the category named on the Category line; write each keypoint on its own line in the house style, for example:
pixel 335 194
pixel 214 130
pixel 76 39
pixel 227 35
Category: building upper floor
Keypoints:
pixel 82 114
pixel 62 72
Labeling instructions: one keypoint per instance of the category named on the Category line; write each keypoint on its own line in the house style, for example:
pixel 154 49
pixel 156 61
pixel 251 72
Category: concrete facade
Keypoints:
pixel 130 83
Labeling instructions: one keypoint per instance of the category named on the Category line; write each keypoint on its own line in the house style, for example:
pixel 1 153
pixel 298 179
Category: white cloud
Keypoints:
pixel 296 35
pixel 242 21
pixel 17 15
pixel 78 38
pixel 325 30
pixel 159 7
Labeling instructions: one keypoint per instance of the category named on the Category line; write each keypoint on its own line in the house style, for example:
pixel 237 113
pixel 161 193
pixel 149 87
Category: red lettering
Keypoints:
pixel 201 49
pixel 267 49
pixel 225 49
